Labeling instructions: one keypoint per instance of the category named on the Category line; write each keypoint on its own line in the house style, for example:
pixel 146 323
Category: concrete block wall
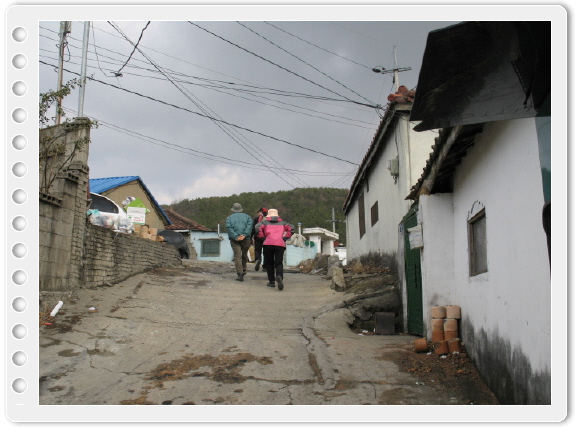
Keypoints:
pixel 76 254
pixel 55 241
pixel 111 257
pixel 98 257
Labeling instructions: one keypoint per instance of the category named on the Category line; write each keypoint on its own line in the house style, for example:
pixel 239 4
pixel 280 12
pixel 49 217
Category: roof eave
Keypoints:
pixel 373 149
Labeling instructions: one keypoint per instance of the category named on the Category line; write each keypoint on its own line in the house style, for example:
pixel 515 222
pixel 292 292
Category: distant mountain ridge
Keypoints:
pixel 312 207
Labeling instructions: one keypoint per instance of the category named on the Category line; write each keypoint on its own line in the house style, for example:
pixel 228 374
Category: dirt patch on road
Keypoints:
pixel 224 369
pixel 454 372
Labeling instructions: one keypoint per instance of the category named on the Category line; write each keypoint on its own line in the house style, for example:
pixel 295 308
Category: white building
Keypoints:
pixel 376 202
pixel 323 240
pixel 483 199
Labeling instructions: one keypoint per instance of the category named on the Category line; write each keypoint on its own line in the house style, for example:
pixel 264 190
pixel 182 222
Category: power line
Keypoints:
pixel 206 116
pixel 200 154
pixel 304 62
pixel 198 103
pixel 118 74
pixel 224 90
pixel 316 46
pixel 261 90
pixel 281 67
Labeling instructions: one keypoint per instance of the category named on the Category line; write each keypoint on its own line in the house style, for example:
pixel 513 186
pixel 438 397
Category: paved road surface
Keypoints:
pixel 194 335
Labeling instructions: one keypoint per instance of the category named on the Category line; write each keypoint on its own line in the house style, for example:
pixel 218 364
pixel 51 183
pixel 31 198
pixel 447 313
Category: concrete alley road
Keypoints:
pixel 194 335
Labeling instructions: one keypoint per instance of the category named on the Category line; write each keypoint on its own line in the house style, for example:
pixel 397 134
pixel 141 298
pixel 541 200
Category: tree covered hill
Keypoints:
pixel 312 207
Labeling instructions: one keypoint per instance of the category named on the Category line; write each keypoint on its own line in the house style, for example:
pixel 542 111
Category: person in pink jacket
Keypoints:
pixel 275 232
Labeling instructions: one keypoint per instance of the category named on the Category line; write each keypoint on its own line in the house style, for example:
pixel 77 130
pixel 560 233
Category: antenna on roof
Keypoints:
pixel 395 70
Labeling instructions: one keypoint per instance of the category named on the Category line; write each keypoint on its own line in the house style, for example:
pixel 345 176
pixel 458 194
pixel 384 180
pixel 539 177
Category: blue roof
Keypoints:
pixel 107 183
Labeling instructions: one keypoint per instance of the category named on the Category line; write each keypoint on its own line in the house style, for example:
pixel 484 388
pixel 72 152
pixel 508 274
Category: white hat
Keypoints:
pixel 236 207
pixel 272 212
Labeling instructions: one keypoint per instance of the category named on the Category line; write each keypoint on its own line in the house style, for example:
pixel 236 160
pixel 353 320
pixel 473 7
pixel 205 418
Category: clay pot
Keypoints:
pixel 450 325
pixel 454 345
pixel 438 336
pixel 438 324
pixel 421 345
pixel 441 347
pixel 438 312
pixel 449 335
pixel 453 312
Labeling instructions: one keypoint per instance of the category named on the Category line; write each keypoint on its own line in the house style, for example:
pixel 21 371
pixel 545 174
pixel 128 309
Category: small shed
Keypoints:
pixel 323 239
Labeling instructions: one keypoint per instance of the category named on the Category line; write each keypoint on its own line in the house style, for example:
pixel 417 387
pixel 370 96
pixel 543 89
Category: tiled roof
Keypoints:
pixel 179 222
pixel 107 183
pixel 403 95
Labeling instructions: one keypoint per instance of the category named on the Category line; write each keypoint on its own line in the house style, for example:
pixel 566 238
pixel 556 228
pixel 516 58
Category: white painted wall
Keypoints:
pixel 501 172
pixel 323 239
pixel 226 254
pixel 413 151
pixel 438 255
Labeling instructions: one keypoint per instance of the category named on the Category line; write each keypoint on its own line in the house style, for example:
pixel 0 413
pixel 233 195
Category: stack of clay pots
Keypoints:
pixel 445 325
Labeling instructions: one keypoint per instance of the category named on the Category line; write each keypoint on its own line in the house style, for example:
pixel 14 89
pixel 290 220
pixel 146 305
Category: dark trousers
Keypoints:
pixel 273 255
pixel 258 249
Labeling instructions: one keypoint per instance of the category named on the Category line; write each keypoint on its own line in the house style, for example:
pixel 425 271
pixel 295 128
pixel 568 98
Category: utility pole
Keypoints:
pixel 395 71
pixel 83 69
pixel 65 28
pixel 333 220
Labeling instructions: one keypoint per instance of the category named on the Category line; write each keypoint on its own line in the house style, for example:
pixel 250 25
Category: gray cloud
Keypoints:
pixel 198 62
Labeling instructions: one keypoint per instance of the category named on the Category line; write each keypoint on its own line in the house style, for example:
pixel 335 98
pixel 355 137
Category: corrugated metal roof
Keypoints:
pixel 107 183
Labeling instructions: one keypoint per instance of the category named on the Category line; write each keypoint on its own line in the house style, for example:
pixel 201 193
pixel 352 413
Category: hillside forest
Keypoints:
pixel 312 207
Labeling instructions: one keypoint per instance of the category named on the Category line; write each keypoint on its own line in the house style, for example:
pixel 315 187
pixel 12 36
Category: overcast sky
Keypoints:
pixel 213 108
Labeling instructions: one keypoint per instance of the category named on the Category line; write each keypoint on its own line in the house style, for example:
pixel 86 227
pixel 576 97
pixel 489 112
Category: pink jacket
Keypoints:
pixel 274 229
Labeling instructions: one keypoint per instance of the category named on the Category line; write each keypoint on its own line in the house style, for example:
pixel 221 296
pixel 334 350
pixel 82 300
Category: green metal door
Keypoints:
pixel 413 277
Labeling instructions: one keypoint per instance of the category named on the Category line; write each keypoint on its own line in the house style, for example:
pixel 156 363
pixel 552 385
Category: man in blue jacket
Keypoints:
pixel 239 229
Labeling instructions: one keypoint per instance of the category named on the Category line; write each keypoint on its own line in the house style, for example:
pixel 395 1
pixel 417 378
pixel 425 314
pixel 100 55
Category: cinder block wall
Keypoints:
pixel 103 257
pixel 111 257
pixel 76 254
